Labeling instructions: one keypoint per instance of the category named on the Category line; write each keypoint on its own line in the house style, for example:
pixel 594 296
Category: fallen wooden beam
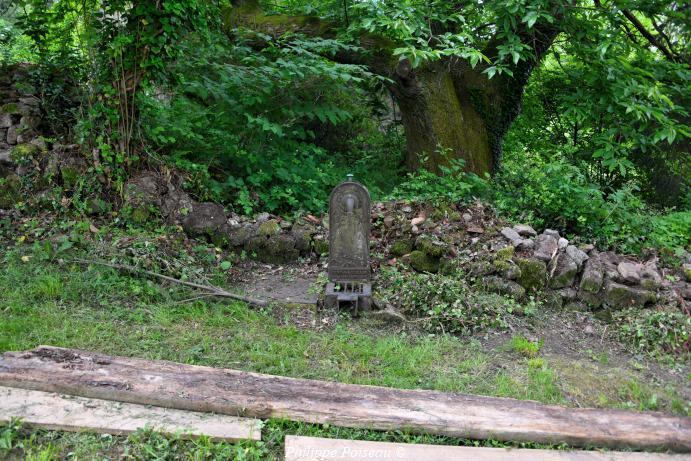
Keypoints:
pixel 239 393
pixel 319 449
pixel 48 410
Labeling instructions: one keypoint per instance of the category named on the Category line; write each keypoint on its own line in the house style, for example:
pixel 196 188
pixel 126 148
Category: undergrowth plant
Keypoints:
pixel 238 120
pixel 445 304
pixel 656 332
pixel 452 184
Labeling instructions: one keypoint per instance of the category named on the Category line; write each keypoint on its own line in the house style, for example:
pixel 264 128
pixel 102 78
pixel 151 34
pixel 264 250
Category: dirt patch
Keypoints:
pixel 593 368
pixel 290 284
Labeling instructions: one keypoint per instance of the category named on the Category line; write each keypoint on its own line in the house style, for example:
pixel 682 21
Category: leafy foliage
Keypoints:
pixel 657 332
pixel 15 47
pixel 445 304
pixel 239 121
pixel 453 184
pixel 556 193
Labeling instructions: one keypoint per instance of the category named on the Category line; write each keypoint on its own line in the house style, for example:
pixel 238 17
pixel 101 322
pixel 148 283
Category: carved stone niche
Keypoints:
pixel 349 234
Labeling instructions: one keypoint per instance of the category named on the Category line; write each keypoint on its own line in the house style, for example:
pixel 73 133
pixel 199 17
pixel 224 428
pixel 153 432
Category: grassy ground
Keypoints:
pixel 99 309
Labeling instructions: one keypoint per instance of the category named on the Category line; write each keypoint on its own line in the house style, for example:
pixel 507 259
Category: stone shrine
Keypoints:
pixel 349 233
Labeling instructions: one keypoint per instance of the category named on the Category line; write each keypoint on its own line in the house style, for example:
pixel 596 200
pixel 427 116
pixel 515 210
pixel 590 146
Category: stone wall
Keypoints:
pixel 20 119
pixel 20 115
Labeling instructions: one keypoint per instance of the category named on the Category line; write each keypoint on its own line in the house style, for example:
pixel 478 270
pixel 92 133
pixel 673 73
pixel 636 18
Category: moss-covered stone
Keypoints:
pixel 10 191
pixel 502 259
pixel 481 267
pixel 564 271
pixel 422 262
pixel 269 228
pixel 622 296
pixel 500 265
pixel 512 272
pixel 321 246
pixel 255 245
pixel 139 215
pixel 506 253
pixel 401 247
pixel 205 219
pixel 431 246
pixel 21 153
pixel 504 287
pixel 238 237
pixel 441 212
pixel 687 272
pixel 533 274
pixel 10 108
pixel 448 266
pixel 303 237
pixel 278 249
pixel 591 300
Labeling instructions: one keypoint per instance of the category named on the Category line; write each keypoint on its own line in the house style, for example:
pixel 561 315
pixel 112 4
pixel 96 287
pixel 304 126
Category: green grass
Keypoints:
pixel 17 442
pixel 524 346
pixel 99 309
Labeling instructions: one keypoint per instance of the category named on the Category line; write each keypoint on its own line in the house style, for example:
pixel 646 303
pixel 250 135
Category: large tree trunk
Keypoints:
pixel 450 111
pixel 440 120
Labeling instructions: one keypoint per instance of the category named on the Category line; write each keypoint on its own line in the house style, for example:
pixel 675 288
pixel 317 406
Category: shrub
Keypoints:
pixel 239 121
pixel 555 193
pixel 453 184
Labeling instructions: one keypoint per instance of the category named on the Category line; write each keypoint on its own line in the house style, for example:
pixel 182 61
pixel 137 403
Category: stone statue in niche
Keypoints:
pixel 349 231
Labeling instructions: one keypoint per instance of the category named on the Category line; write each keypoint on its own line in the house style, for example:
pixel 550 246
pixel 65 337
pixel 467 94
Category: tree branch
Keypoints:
pixel 210 289
pixel 648 36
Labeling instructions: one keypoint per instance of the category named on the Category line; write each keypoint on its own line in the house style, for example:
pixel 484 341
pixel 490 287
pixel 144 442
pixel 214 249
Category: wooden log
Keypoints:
pixel 320 449
pixel 239 393
pixel 48 410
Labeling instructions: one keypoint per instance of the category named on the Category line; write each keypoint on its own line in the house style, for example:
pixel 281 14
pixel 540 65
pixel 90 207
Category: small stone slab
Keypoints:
pixel 630 272
pixel 593 276
pixel 564 271
pixel 546 247
pixel 511 235
pixel 620 296
pixel 48 410
pixel 320 449
pixel 578 255
pixel 525 230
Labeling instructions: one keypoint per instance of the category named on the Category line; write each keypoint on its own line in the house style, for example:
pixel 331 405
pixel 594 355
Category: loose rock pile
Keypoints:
pixel 581 274
pixel 515 261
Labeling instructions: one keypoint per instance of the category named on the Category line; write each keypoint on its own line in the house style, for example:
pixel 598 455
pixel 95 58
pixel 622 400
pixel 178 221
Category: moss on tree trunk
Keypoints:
pixel 441 122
